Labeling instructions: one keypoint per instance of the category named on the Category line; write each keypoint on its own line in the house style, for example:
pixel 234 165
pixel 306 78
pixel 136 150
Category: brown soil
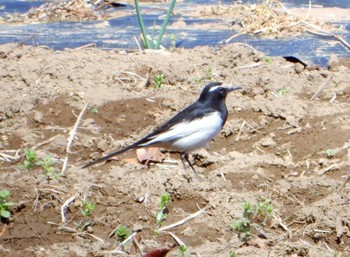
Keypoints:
pixel 273 146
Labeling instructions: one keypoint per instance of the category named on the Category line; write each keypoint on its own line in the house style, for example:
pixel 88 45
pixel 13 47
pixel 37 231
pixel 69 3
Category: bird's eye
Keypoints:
pixel 221 89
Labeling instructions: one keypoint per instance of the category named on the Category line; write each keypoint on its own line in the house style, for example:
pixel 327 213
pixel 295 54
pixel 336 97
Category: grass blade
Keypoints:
pixel 165 23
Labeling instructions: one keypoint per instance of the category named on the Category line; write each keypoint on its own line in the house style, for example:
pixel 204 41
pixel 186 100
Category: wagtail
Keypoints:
pixel 192 128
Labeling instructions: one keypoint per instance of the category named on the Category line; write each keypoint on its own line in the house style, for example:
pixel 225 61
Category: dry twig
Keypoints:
pixel 76 231
pixel 178 240
pixel 65 206
pixel 183 221
pixel 71 138
pixel 321 88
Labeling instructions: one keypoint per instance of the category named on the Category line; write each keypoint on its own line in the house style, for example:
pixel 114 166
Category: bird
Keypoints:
pixel 190 129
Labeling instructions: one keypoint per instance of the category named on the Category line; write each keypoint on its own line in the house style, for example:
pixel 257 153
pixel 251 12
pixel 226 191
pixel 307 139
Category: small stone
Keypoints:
pixel 38 117
pixel 268 141
pixel 255 177
pixel 90 230
pixel 103 145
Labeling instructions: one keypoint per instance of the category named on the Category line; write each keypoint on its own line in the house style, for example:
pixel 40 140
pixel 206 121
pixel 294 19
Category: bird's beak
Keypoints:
pixel 232 88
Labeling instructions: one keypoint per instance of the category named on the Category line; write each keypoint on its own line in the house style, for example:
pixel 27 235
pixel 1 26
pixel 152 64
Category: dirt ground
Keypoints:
pixel 286 145
pixel 286 142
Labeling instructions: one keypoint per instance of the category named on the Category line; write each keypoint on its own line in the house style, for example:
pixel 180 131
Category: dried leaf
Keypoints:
pixel 157 253
pixel 145 155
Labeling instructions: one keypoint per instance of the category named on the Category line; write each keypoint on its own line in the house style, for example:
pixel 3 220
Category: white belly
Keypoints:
pixel 188 136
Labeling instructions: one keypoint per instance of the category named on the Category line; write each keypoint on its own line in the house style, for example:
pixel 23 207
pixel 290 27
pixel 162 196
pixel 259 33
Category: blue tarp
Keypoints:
pixel 119 32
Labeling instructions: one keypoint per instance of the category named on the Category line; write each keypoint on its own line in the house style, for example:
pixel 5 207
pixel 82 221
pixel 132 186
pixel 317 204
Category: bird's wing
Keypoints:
pixel 189 121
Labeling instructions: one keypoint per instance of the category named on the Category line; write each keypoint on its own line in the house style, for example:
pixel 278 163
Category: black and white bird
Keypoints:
pixel 192 128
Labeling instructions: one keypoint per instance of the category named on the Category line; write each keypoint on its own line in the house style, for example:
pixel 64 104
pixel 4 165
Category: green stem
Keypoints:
pixel 146 43
pixel 165 23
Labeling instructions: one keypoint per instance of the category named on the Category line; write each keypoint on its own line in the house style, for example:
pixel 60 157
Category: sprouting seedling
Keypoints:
pixel 265 208
pixel 282 91
pixel 233 254
pixel 206 77
pixel 172 38
pixel 247 210
pixel 158 80
pixel 165 199
pixel 242 226
pixel 31 159
pixel 122 233
pixel 94 109
pixel 48 164
pixel 330 153
pixel 183 250
pixel 87 208
pixel 260 213
pixel 267 60
pixel 4 204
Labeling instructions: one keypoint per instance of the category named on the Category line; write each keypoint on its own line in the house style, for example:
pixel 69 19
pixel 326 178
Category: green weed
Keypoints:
pixel 4 204
pixel 233 254
pixel 165 199
pixel 282 91
pixel 242 226
pixel 48 164
pixel 172 38
pixel 87 208
pixel 206 77
pixel 31 159
pixel 183 251
pixel 122 233
pixel 253 215
pixel 158 80
pixel 267 59
pixel 330 153
pixel 94 109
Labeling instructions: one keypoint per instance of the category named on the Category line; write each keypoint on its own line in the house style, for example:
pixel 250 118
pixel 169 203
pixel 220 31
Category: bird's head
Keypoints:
pixel 216 91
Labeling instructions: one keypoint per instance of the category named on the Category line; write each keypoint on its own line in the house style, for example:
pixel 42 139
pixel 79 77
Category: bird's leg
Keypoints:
pixel 184 157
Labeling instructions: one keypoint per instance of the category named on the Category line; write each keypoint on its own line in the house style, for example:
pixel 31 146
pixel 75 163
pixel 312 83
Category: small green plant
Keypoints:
pixel 172 38
pixel 158 80
pixel 183 250
pixel 264 208
pixel 87 208
pixel 207 77
pixel 242 226
pixel 4 204
pixel 122 233
pixel 94 109
pixel 267 60
pixel 282 91
pixel 330 153
pixel 31 159
pixel 247 209
pixel 48 164
pixel 148 42
pixel 253 215
pixel 233 254
pixel 165 199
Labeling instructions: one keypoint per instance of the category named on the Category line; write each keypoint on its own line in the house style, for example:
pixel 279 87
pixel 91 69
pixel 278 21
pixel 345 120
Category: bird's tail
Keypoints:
pixel 106 157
